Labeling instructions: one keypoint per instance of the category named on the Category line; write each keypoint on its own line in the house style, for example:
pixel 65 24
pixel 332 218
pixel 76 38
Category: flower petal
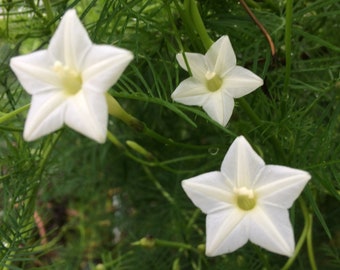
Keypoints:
pixel 279 185
pixel 208 191
pixel 45 115
pixel 87 113
pixel 219 107
pixel 191 92
pixel 221 57
pixel 240 82
pixel 70 42
pixel 272 230
pixel 241 163
pixel 196 63
pixel 226 231
pixel 35 73
pixel 103 66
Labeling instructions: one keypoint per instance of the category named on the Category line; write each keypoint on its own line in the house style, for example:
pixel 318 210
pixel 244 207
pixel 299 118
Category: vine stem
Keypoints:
pixel 310 244
pixel 198 22
pixel 48 9
pixel 10 115
pixel 193 21
pixel 166 243
pixel 112 138
pixel 151 242
pixel 165 194
pixel 252 115
pixel 303 235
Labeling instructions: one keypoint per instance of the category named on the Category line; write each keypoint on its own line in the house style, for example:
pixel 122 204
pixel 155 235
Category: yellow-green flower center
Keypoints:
pixel 245 198
pixel 70 79
pixel 214 82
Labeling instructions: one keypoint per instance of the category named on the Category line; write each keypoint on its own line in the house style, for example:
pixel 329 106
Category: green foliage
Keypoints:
pixel 96 200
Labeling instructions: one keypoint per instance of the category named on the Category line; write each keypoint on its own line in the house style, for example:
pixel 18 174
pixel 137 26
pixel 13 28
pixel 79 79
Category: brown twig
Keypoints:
pixel 263 30
pixel 41 228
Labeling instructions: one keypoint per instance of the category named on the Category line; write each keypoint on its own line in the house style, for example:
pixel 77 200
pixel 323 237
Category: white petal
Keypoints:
pixel 209 191
pixel 103 66
pixel 219 107
pixel 191 92
pixel 272 230
pixel 226 231
pixel 34 71
pixel 240 82
pixel 241 164
pixel 70 43
pixel 221 57
pixel 45 115
pixel 279 185
pixel 196 63
pixel 87 113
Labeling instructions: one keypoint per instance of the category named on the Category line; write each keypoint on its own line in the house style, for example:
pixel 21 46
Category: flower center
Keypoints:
pixel 245 198
pixel 214 81
pixel 70 79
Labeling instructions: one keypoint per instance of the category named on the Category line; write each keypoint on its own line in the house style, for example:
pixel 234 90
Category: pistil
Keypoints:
pixel 245 198
pixel 214 82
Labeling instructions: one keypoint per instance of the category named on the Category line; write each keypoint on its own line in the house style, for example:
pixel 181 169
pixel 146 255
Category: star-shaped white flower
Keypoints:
pixel 68 81
pixel 216 80
pixel 247 200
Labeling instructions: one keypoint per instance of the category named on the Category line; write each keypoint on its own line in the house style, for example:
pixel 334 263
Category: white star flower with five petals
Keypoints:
pixel 68 81
pixel 216 80
pixel 247 200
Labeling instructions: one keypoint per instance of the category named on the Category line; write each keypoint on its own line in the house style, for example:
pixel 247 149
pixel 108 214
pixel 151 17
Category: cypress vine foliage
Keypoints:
pixel 67 202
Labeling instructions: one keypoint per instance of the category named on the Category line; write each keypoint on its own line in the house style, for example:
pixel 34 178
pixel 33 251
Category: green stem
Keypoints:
pixel 47 150
pixel 172 244
pixel 10 115
pixel 138 125
pixel 188 24
pixel 117 111
pixel 165 194
pixel 151 242
pixel 288 44
pixel 173 24
pixel 112 138
pixel 193 22
pixel 140 149
pixel 310 244
pixel 7 25
pixel 32 4
pixel 252 115
pixel 48 9
pixel 303 236
pixel 199 25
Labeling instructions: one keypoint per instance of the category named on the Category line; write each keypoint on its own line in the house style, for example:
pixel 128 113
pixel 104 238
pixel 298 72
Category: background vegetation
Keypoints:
pixel 95 200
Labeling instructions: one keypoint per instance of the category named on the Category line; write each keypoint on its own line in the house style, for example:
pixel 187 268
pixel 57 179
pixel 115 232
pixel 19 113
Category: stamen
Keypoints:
pixel 70 79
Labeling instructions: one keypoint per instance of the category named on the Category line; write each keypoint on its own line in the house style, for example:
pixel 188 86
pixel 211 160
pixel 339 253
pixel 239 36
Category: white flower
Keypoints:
pixel 215 81
pixel 247 200
pixel 69 80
